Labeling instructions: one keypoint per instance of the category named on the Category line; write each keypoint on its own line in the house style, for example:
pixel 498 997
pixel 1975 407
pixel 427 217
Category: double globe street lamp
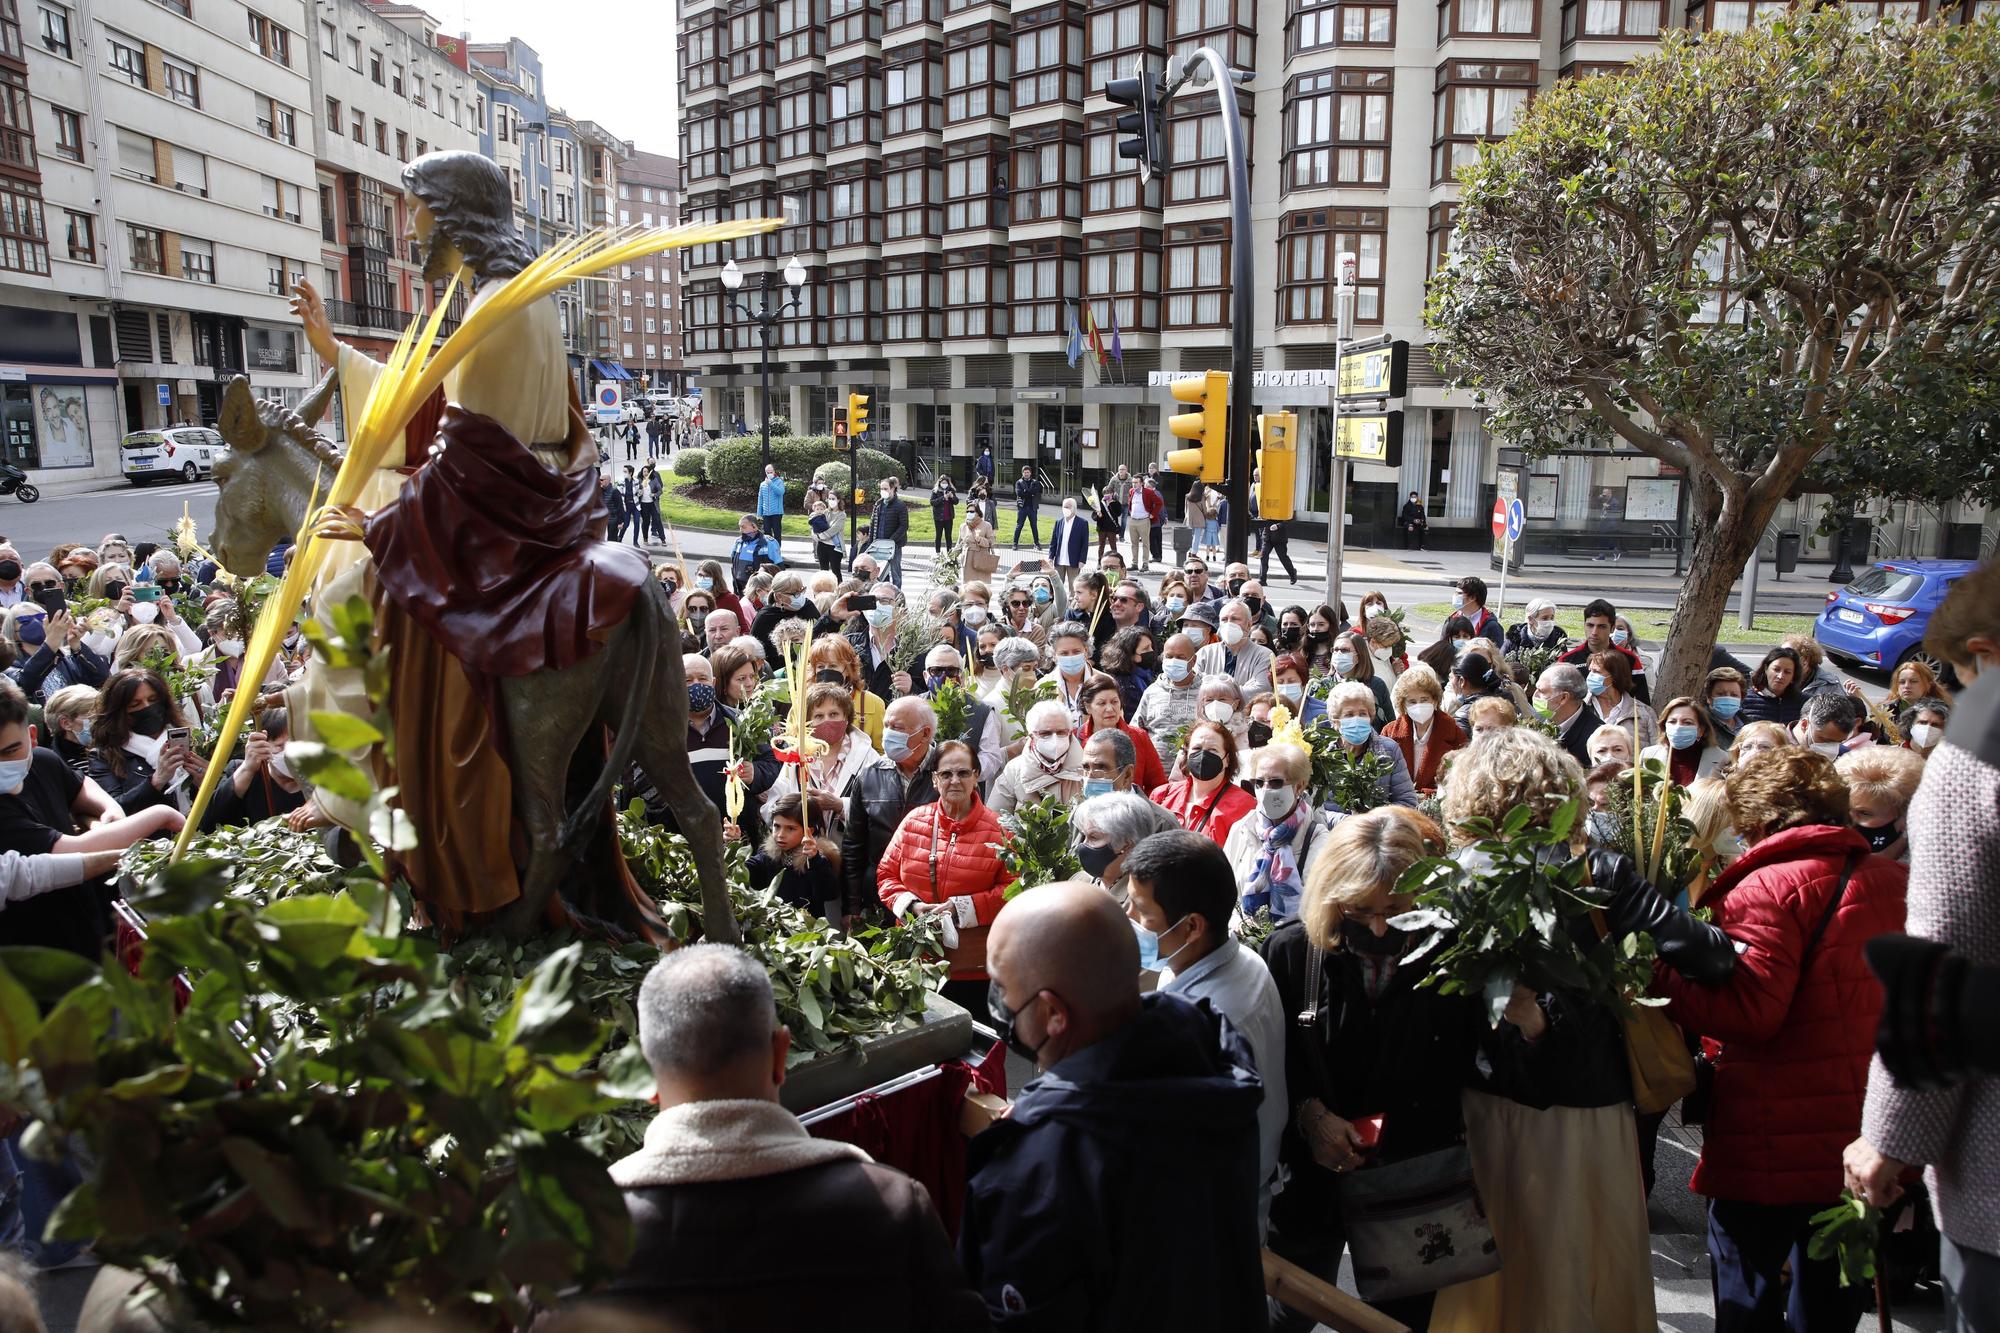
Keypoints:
pixel 766 318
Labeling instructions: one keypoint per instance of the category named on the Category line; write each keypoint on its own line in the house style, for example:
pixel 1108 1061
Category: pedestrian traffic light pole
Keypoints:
pixel 1336 499
pixel 766 318
pixel 1149 97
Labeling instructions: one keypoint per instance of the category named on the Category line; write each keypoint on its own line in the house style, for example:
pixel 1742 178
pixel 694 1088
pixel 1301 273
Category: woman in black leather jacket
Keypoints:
pixel 1551 1127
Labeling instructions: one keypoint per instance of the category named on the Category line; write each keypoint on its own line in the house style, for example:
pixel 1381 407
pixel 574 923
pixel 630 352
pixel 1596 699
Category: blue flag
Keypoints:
pixel 1075 349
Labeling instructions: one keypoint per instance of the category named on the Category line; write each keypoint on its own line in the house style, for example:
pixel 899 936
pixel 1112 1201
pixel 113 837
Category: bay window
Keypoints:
pixel 1316 25
pixel 798 24
pixel 854 204
pixel 702 141
pixel 1048 174
pixel 1476 101
pixel 1443 222
pixel 748 121
pixel 854 103
pixel 802 198
pixel 913 187
pixel 1337 125
pixel 911 87
pixel 975 293
pixel 978 65
pixel 853 21
pixel 1121 281
pixel 1117 36
pixel 1735 15
pixel 1200 164
pixel 701 307
pixel 754 201
pixel 750 31
pixel 1111 183
pixel 1198 275
pixel 801 115
pixel 1044 278
pixel 804 327
pixel 703 41
pixel 1487 18
pixel 1617 20
pixel 1310 242
pixel 973 169
pixel 1230 26
pixel 1048 57
pixel 912 299
pixel 898 14
pixel 854 303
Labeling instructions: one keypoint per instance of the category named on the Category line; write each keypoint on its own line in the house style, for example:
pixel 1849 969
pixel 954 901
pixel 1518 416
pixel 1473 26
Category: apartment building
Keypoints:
pixel 602 156
pixel 949 173
pixel 155 172
pixel 649 313
pixel 385 93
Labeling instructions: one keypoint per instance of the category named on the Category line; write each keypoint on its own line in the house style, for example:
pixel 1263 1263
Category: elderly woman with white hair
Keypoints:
pixel 1109 826
pixel 1550 1123
pixel 1018 659
pixel 1351 710
pixel 1050 765
pixel 1271 850
pixel 789 600
pixel 1539 632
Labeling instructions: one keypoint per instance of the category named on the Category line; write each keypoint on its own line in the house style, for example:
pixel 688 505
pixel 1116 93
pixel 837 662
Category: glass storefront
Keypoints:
pixel 46 426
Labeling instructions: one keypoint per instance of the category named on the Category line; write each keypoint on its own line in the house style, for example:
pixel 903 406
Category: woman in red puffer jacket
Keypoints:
pixel 944 860
pixel 1796 1026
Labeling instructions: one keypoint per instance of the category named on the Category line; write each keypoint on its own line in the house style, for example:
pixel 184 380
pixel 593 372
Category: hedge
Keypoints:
pixel 738 464
pixel 874 467
pixel 692 463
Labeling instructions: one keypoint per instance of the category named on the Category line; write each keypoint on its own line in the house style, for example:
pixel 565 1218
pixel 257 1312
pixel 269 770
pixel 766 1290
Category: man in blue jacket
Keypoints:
pixel 1121 1191
pixel 771 502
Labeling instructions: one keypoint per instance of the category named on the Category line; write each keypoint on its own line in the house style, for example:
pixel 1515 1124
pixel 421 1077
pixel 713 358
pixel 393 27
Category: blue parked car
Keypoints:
pixel 1879 619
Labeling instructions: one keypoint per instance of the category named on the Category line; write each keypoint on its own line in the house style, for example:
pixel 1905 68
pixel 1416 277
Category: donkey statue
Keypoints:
pixel 633 685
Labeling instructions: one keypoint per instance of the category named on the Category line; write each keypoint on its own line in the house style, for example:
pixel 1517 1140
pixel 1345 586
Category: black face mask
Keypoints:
pixel 166 585
pixel 1290 635
pixel 1204 764
pixel 1095 860
pixel 1880 838
pixel 9 570
pixel 1256 605
pixel 1150 661
pixel 1362 940
pixel 1258 734
pixel 1004 1018
pixel 1235 586
pixel 829 676
pixel 150 720
pixel 985 661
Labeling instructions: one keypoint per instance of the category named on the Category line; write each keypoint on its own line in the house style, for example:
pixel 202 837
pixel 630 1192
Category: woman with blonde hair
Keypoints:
pixel 1271 850
pixel 1421 730
pixel 1914 681
pixel 1369 1053
pixel 67 714
pixel 1757 738
pixel 1490 713
pixel 1554 1143
pixel 832 660
pixel 1881 779
pixel 1714 840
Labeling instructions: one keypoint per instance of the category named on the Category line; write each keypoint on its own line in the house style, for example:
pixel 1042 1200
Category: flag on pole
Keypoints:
pixel 1074 351
pixel 1093 332
pixel 1117 342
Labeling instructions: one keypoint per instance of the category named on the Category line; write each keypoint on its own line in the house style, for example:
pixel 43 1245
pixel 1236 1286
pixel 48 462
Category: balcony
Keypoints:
pixel 350 315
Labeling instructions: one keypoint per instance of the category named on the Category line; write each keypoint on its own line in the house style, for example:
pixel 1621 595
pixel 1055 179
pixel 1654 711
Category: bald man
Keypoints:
pixel 1121 1192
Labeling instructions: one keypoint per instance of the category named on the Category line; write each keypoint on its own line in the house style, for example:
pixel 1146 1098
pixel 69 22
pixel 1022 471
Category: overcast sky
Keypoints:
pixel 610 61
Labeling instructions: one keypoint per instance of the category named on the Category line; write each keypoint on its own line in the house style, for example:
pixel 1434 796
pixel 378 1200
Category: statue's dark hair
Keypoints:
pixel 474 205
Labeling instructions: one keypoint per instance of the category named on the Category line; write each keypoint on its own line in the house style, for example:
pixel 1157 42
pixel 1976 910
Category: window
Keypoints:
pixel 1625 19
pixel 1048 174
pixel 277 121
pixel 198 261
pixel 1444 219
pixel 852 21
pixel 128 57
pixel 1227 25
pixel 913 186
pixel 281 199
pixel 1865 14
pixel 1200 164
pixel 909 13
pixel 402 146
pixel 1117 36
pixel 396 79
pixel 972 198
pixel 746 135
pixel 854 205
pixel 913 299
pixel 354 54
pixel 275 275
pixel 182 7
pixel 976 74
pixel 801 126
pixel 1048 52
pixel 55 30
pixel 69 133
pixel 1486 18
pixel 381 136
pixel 358 126
pixel 1198 275
pixel 1317 24
pixel 798 22
pixel 854 92
pixel 911 74
pixel 375 66
pixel 975 293
pixel 183 82
pixel 272 40
pixel 1475 101
pixel 1121 281
pixel 135 155
pixel 17 121
pixel 1044 280
pixel 24 245
pixel 148 249
pixel 1339 128
pixel 333 117
pixel 1740 15
pixel 329 39
pixel 1310 244
pixel 1722 301
pixel 1112 182
pixel 749 48
pixel 190 171
pixel 82 237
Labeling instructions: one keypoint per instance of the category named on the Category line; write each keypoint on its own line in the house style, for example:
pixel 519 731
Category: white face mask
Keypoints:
pixel 1926 735
pixel 1218 711
pixel 1232 634
pixel 1831 749
pixel 1052 748
pixel 1276 803
pixel 1545 625
pixel 1422 711
pixel 145 613
pixel 282 768
pixel 229 647
pixel 973 614
pixel 100 643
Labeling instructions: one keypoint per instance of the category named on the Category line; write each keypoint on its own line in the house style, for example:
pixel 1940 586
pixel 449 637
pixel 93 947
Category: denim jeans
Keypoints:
pixel 29 1193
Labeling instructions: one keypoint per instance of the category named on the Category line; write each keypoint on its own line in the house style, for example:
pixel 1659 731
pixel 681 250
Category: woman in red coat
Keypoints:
pixel 1796 1025
pixel 1104 709
pixel 1424 734
pixel 1207 800
pixel 943 860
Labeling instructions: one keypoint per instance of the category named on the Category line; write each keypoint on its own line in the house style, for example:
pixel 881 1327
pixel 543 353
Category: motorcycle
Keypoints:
pixel 15 482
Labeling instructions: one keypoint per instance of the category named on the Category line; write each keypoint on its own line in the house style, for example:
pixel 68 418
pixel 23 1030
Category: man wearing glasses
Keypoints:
pixel 943 665
pixel 1130 606
pixel 1196 573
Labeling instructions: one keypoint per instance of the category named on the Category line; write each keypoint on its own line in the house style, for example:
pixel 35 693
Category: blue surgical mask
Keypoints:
pixel 704 582
pixel 1042 596
pixel 1356 730
pixel 1595 683
pixel 83 733
pixel 895 745
pixel 1683 735
pixel 1149 947
pixel 1096 787
pixel 881 617
pixel 801 601
pixel 1343 662
pixel 1071 664
pixel 1176 604
pixel 1620 637
pixel 1725 706
pixel 1291 692
pixel 34 630
pixel 1176 669
pixel 14 775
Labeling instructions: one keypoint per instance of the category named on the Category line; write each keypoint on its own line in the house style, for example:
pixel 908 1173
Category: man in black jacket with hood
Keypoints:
pixel 1121 1192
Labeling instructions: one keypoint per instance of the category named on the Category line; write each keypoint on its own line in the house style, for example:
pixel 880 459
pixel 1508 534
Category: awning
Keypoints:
pixel 610 370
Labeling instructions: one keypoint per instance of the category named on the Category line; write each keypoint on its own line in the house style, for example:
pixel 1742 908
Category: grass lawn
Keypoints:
pixel 685 511
pixel 1651 624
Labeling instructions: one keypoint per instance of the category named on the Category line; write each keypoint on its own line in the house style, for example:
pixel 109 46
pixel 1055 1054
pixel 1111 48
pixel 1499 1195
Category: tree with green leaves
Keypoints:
pixel 1768 260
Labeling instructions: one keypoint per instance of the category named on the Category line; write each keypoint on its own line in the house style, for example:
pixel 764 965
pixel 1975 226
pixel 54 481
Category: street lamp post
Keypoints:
pixel 766 319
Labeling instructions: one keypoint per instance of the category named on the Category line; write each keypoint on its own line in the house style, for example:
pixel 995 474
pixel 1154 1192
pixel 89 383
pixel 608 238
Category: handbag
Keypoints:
pixel 1697 1105
pixel 1655 1052
pixel 1412 1226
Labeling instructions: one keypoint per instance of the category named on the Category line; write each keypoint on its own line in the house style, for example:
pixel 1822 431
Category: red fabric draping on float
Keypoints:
pixel 916 1129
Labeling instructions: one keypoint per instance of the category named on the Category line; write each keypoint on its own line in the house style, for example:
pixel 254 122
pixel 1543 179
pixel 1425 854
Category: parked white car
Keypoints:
pixel 178 453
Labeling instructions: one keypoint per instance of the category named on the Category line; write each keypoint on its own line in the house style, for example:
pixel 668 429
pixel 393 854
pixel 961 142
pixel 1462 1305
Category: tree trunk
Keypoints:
pixel 1726 535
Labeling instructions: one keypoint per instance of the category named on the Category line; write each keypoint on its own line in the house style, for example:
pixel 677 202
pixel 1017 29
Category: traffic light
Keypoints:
pixel 857 415
pixel 1147 144
pixel 1209 423
pixel 1277 464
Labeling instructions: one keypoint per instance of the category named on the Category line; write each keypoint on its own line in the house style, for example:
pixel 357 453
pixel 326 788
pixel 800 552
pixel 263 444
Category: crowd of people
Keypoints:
pixel 1220 1003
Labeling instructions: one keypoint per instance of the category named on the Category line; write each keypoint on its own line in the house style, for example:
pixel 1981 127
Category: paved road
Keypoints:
pixel 143 514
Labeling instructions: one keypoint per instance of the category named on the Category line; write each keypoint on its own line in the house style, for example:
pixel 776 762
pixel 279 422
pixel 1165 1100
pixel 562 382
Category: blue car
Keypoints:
pixel 1879 619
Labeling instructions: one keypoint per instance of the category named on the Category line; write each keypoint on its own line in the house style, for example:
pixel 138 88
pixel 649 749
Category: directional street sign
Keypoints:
pixel 1379 369
pixel 1365 438
pixel 1500 520
pixel 1517 519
